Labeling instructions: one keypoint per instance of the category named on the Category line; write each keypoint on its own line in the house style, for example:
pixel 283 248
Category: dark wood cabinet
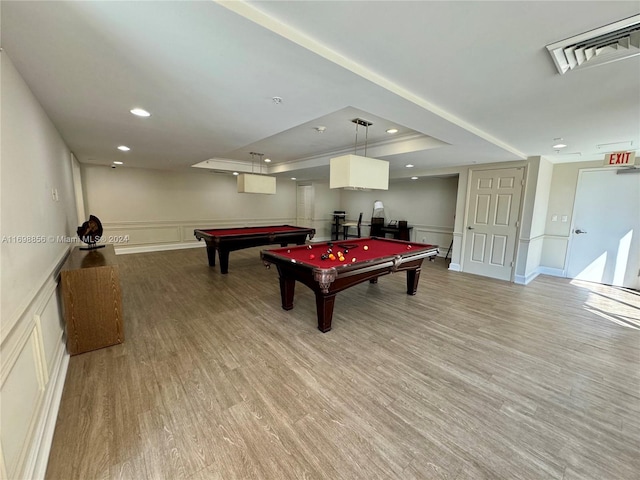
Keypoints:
pixel 92 301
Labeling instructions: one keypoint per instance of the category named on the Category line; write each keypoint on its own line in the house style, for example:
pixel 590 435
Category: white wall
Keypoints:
pixel 534 212
pixel 428 204
pixel 326 201
pixel 564 183
pixel 159 209
pixel 34 161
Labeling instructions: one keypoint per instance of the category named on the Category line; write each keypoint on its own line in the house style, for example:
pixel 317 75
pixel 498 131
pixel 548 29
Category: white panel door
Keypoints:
pixel 490 235
pixel 605 234
pixel 304 210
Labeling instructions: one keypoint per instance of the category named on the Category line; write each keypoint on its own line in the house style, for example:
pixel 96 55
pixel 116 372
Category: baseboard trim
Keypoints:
pixel 554 272
pixel 525 280
pixel 454 267
pixel 160 247
pixel 36 465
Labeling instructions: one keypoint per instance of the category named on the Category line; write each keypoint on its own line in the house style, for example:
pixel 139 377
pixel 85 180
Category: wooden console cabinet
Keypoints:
pixel 90 285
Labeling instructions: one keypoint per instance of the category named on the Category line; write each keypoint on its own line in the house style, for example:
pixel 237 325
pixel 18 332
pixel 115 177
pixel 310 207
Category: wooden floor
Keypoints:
pixel 470 379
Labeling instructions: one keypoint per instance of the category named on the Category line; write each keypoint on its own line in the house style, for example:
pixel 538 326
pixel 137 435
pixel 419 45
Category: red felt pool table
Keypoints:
pixel 225 240
pixel 364 259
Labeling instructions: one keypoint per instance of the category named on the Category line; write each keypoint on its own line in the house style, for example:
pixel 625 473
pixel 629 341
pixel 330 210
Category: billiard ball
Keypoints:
pixel 312 256
pixel 309 247
pixel 332 256
pixel 288 251
pixel 346 250
pixel 408 247
pixel 342 259
pixel 324 256
pixel 353 260
pixel 366 247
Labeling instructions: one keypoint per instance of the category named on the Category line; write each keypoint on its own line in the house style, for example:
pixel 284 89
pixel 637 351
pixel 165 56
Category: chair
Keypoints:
pixel 357 224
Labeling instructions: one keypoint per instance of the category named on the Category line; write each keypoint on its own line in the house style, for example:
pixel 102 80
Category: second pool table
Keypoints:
pixel 225 240
pixel 364 259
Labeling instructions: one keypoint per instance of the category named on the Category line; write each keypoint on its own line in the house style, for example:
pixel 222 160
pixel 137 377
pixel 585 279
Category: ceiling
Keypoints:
pixel 464 82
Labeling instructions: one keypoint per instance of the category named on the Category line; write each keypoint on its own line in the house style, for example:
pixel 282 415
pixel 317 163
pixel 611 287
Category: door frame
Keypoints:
pixel 523 196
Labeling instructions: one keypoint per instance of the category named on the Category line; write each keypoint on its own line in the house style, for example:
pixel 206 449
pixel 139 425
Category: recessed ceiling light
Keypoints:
pixel 414 178
pixel 117 163
pixel 267 160
pixel 293 178
pixel 123 148
pixel 558 143
pixel 236 173
pixel 140 112
pixel 392 130
pixel 409 165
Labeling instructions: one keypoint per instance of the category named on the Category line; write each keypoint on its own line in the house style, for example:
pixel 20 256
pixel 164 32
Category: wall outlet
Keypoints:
pixel 565 218
pixel 554 218
pixel 424 239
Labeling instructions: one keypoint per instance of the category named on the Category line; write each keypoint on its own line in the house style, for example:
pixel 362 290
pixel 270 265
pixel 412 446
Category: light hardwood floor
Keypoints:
pixel 470 379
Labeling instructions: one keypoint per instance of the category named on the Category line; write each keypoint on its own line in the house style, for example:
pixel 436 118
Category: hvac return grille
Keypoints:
pixel 603 45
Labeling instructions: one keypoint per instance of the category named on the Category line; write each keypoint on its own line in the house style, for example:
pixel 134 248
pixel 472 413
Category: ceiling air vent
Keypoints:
pixel 603 45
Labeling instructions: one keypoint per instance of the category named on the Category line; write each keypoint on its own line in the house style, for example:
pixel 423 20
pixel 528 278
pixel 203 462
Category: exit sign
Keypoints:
pixel 617 159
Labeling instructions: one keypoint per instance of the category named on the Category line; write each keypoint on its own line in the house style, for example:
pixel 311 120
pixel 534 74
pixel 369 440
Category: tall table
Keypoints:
pixel 336 227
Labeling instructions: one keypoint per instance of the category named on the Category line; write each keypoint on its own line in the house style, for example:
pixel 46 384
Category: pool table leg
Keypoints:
pixel 324 308
pixel 223 256
pixel 211 255
pixel 287 289
pixel 413 276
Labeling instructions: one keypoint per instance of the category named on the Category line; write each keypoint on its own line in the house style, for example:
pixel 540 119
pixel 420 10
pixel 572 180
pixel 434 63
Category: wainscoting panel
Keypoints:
pixel 554 252
pixel 32 373
pixel 134 237
pixel 440 236
pixel 22 393
pixel 143 235
pixel 49 319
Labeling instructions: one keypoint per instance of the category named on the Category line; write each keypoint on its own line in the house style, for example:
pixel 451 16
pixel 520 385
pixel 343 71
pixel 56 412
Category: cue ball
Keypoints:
pixel 288 251
pixel 353 259
pixel 312 256
pixel 366 247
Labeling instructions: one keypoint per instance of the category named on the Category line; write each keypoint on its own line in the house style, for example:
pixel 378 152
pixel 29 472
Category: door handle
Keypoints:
pixel 469 228
pixel 578 231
